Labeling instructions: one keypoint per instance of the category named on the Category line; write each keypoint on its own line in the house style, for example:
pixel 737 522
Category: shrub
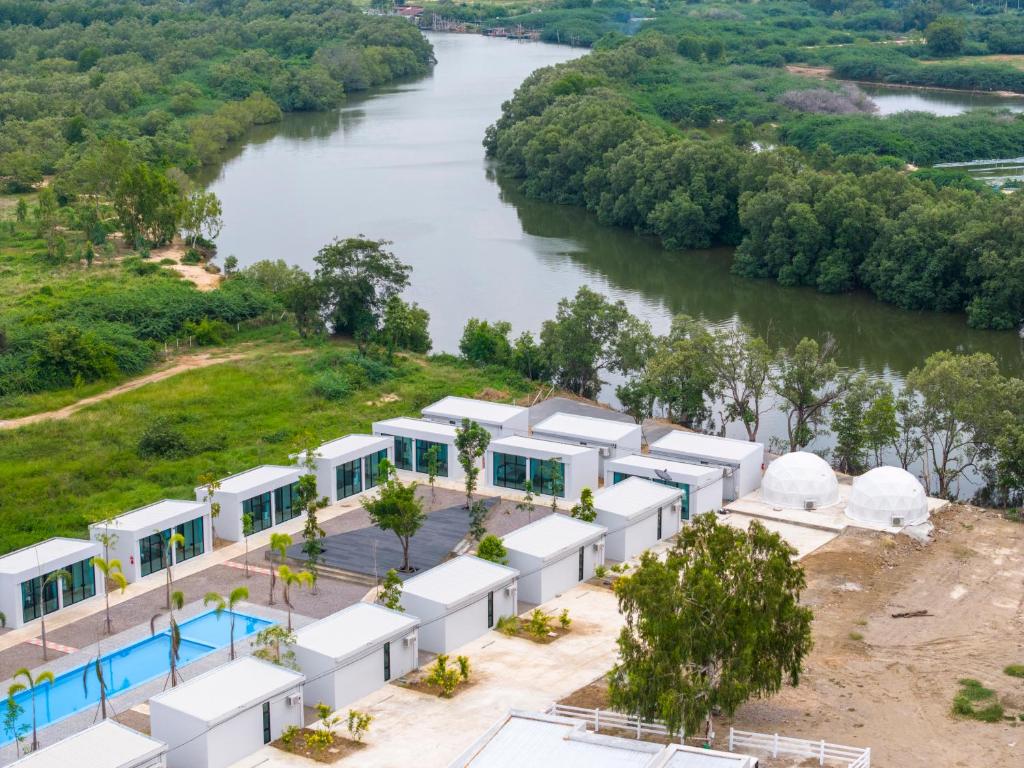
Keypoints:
pixel 491 548
pixel 332 385
pixel 564 620
pixel 539 623
pixel 600 571
pixel 208 332
pixel 192 256
pixel 288 735
pixel 444 677
pixel 463 662
pixel 507 625
pixel 358 723
pixel 972 694
pixel 162 439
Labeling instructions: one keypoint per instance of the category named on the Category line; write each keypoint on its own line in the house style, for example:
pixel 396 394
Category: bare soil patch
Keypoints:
pixel 417 681
pixel 522 630
pixel 804 71
pixel 341 747
pixel 194 273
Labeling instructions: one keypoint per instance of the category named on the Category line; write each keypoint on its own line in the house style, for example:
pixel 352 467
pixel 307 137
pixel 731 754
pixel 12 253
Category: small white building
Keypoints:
pixel 511 461
pixel 224 715
pixel 108 744
pixel 349 465
pixel 413 438
pixel 799 480
pixel 500 419
pixel 610 438
pixel 554 554
pixel 265 493
pixel 701 485
pixel 638 514
pixel 354 652
pixel 887 497
pixel 23 596
pixel 139 538
pixel 741 460
pixel 460 600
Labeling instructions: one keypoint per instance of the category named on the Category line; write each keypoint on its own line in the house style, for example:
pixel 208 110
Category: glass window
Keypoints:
pixel 581 558
pixel 490 610
pixel 542 477
pixel 153 552
pixel 266 722
pixel 349 480
pixel 258 507
pixel 618 477
pixel 403 452
pixel 372 467
pixel 194 539
pixel 31 599
pixel 284 503
pixel 83 582
pixel 387 661
pixel 659 523
pixel 684 506
pixel 422 446
pixel 509 471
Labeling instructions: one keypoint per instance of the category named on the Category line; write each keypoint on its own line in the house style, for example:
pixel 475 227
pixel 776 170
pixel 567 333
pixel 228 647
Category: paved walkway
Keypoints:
pixel 417 729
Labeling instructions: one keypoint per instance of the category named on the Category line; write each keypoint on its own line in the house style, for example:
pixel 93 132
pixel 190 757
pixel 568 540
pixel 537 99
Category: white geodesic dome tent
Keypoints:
pixel 887 496
pixel 799 480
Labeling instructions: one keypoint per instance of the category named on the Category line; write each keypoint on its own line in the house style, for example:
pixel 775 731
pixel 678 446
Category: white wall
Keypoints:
pixel 10 590
pixel 531 575
pixel 454 630
pixel 626 543
pixel 707 499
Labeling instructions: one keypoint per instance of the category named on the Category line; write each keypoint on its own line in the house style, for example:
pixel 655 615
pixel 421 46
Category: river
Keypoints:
pixel 406 163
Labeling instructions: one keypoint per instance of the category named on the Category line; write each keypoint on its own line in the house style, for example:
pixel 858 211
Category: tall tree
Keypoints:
pixel 289 579
pixel 864 421
pixel 221 604
pixel 584 510
pixel 717 622
pixel 31 684
pixel 471 441
pixel 148 205
pixel 113 576
pixel 175 540
pixel 808 381
pixel 397 509
pixel 210 485
pixel 55 578
pixel 589 335
pixel 742 364
pixel 201 216
pixel 357 277
pixel 908 442
pixel 279 543
pixel 307 501
pixel 679 372
pixel 177 602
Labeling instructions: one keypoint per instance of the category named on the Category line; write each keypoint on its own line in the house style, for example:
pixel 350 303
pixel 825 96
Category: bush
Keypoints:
pixel 507 625
pixel 539 623
pixel 563 619
pixel 1014 670
pixel 358 723
pixel 162 439
pixel 208 332
pixel 444 677
pixel 491 548
pixel 332 385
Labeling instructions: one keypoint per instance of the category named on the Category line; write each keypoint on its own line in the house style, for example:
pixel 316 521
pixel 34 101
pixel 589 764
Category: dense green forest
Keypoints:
pixel 177 81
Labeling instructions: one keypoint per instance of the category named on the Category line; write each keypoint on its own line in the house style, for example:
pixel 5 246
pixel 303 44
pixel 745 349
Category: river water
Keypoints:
pixel 406 164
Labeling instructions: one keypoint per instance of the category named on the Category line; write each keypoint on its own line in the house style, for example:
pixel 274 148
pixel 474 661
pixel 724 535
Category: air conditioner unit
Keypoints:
pixel 808 504
pixel 606 452
pixel 293 699
pixel 511 588
pixel 897 521
pixel 409 639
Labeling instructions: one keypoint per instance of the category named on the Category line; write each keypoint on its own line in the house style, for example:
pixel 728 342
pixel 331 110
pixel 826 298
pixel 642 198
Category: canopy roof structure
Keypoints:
pixel 800 480
pixel 887 496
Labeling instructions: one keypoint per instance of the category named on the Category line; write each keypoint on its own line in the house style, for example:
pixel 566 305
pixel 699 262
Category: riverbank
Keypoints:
pixel 826 73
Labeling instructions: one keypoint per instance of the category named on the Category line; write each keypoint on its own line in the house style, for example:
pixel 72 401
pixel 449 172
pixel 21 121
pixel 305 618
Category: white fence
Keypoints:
pixel 775 745
pixel 605 718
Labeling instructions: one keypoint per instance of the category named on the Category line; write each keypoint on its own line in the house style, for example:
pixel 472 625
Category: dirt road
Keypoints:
pixel 188 363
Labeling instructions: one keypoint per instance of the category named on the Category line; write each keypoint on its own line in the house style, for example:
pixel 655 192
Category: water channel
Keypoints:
pixel 405 163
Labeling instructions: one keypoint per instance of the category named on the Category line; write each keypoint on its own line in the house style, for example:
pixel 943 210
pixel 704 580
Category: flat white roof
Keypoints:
pixel 153 516
pixel 721 448
pixel 552 535
pixel 229 689
pixel 693 757
pixel 267 473
pixel 481 411
pixel 108 744
pixel 633 496
pixel 528 739
pixel 349 444
pixel 689 473
pixel 457 579
pixel 404 423
pixel 345 633
pixel 548 448
pixel 586 427
pixel 47 554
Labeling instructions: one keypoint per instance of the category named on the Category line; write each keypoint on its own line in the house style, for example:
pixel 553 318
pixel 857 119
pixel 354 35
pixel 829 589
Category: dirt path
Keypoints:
pixel 189 363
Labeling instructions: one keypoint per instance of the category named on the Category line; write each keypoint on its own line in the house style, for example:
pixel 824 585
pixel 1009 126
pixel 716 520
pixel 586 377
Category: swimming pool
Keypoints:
pixel 128 667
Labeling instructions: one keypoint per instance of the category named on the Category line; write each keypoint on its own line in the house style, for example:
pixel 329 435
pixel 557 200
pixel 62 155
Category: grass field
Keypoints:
pixel 59 476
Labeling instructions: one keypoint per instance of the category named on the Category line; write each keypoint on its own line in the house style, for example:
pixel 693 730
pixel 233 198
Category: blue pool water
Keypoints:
pixel 128 667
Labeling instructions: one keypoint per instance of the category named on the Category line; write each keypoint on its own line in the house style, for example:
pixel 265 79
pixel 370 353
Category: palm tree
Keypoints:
pixel 30 684
pixel 177 600
pixel 211 485
pixel 238 594
pixel 176 539
pixel 246 533
pixel 54 577
pixel 112 574
pixel 97 667
pixel 279 542
pixel 289 579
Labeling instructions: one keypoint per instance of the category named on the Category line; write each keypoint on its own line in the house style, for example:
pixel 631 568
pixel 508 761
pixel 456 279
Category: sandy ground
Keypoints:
pixel 181 364
pixel 892 689
pixel 194 273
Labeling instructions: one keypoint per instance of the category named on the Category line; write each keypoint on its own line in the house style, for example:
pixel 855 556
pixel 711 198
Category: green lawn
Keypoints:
pixel 59 476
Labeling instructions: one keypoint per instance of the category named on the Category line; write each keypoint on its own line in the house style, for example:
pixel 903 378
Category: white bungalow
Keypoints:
pixel 354 652
pixel 139 538
pixel 740 460
pixel 459 600
pixel 610 438
pixel 265 493
pixel 554 554
pixel 24 596
pixel 224 715
pixel 549 466
pixel 638 514
pixel 413 439
pixel 500 419
pixel 349 465
pixel 108 744
pixel 701 485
